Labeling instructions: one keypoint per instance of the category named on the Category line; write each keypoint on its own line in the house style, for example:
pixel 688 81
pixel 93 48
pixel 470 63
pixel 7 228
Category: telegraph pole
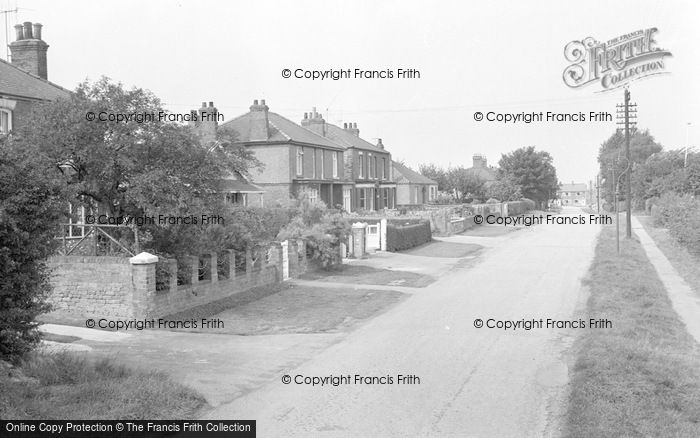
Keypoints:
pixel 627 111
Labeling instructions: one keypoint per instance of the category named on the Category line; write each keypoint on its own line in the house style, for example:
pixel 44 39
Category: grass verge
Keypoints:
pixel 686 263
pixel 360 274
pixel 642 377
pixel 69 385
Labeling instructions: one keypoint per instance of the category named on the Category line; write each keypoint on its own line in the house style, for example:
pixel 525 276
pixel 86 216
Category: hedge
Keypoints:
pixel 681 215
pixel 399 238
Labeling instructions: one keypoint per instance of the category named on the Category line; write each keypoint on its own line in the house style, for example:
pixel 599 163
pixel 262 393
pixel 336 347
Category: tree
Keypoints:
pixel 612 153
pixel 465 184
pixel 504 189
pixel 436 173
pixel 31 202
pixel 533 171
pixel 138 167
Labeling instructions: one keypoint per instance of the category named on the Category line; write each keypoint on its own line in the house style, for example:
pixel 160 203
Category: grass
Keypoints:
pixel 686 263
pixel 360 274
pixel 296 309
pixel 72 386
pixel 437 248
pixel 642 377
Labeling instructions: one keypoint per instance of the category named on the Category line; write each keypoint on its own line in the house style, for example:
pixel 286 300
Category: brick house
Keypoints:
pixel 23 81
pixel 368 166
pixel 295 159
pixel 412 187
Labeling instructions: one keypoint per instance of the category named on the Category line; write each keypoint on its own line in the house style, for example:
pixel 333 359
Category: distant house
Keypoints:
pixel 295 159
pixel 366 165
pixel 573 194
pixel 23 82
pixel 481 170
pixel 412 188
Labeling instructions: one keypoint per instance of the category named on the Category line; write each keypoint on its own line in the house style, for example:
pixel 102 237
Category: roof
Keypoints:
pixel 573 187
pixel 403 174
pixel 236 183
pixel 16 82
pixel 350 140
pixel 281 130
pixel 483 173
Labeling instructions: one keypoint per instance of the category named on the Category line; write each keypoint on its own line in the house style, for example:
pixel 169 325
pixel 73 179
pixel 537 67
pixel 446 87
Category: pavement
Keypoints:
pixel 472 381
pixel 684 300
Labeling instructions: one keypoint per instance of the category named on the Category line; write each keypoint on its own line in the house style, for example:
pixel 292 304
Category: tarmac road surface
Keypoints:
pixel 472 381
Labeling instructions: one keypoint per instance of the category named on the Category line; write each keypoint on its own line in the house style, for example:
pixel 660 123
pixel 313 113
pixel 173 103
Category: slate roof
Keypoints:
pixel 238 183
pixel 15 82
pixel 403 174
pixel 281 130
pixel 349 140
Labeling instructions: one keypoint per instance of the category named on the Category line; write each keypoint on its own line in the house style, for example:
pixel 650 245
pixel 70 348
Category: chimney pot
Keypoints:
pixel 345 126
pixel 255 102
pixel 354 125
pixel 204 104
pixel 37 30
pixel 28 30
pixel 20 31
pixel 211 104
pixel 262 102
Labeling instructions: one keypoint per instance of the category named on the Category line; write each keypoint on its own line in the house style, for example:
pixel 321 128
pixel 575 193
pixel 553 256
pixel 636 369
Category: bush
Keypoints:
pixel 399 238
pixel 681 215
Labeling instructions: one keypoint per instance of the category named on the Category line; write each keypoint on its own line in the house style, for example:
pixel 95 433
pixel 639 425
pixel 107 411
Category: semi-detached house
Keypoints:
pixel 295 159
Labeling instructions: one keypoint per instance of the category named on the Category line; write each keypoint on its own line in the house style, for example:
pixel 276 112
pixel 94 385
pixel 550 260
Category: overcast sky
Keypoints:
pixel 472 56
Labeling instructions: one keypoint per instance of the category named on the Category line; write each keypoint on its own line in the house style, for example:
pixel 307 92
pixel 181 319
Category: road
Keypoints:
pixel 473 381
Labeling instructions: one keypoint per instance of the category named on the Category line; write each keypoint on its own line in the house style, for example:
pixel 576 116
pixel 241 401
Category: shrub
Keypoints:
pixel 681 215
pixel 399 238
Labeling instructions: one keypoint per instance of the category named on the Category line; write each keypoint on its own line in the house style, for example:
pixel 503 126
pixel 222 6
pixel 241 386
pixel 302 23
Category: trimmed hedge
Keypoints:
pixel 401 237
pixel 520 207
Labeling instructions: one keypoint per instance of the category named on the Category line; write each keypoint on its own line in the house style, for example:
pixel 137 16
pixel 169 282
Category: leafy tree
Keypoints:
pixel 465 184
pixel 136 168
pixel 504 189
pixel 533 171
pixel 612 154
pixel 436 173
pixel 31 202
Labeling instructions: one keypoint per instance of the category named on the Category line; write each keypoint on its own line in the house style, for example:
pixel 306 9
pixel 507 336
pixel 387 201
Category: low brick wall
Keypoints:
pixel 121 287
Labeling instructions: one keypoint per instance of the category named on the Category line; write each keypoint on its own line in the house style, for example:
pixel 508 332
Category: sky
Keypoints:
pixel 504 57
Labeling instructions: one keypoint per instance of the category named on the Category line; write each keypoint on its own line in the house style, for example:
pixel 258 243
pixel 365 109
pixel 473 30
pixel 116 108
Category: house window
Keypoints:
pixel 361 160
pixel 386 198
pixel 313 163
pixel 362 200
pixel 384 171
pixel 5 121
pixel 300 161
pixel 347 205
pixel 237 198
pixel 375 171
pixel 335 164
pixel 313 195
pixel 323 164
pixel 77 216
pixel 371 163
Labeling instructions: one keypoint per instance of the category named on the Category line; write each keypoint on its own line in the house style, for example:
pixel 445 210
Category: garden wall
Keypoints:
pixel 121 287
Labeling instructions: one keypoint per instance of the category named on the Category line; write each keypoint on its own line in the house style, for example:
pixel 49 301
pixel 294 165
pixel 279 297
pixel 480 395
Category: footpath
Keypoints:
pixel 685 302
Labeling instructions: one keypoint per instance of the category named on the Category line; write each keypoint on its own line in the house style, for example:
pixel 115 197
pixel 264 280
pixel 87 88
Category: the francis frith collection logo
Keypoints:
pixel 616 62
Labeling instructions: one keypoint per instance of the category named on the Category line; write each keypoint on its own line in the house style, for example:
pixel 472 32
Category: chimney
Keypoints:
pixel 314 122
pixel 259 127
pixel 205 122
pixel 380 145
pixel 352 128
pixel 29 50
pixel 479 160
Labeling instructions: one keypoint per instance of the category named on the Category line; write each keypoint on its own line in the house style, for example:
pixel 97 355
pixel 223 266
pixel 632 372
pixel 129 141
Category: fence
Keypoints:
pixel 145 286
